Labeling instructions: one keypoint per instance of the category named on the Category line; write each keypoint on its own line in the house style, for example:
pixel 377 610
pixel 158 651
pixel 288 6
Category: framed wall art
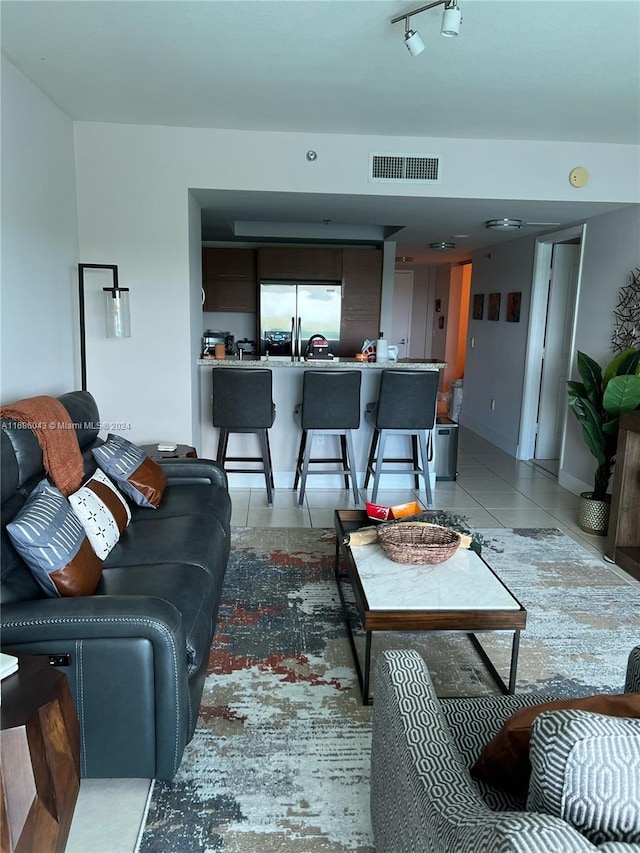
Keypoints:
pixel 494 307
pixel 478 306
pixel 514 298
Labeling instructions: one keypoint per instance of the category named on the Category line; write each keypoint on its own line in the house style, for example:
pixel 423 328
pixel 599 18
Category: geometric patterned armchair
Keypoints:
pixel 423 798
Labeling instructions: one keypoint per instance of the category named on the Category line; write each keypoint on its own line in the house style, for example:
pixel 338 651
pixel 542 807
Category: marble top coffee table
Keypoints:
pixel 461 594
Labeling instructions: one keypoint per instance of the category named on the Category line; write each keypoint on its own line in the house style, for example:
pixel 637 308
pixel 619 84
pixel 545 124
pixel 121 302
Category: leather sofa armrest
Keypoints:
pixel 127 672
pixel 87 617
pixel 194 469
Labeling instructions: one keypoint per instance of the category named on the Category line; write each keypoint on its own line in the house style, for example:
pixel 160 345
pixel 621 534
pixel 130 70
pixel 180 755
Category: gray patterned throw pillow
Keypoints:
pixel 52 542
pixel 584 769
pixel 138 476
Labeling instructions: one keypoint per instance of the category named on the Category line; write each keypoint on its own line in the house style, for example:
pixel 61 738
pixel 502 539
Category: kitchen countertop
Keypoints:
pixel 400 364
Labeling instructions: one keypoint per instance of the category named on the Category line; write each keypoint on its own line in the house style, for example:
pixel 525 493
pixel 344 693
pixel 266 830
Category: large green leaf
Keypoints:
pixel 591 422
pixel 591 376
pixel 626 362
pixel 622 394
pixel 575 391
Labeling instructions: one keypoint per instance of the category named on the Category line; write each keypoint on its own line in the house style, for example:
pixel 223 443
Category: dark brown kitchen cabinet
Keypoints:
pixel 361 293
pixel 300 264
pixel 229 280
pixel 623 543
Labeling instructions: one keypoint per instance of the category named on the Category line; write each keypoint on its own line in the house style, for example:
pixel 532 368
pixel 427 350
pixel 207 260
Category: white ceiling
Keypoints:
pixel 520 69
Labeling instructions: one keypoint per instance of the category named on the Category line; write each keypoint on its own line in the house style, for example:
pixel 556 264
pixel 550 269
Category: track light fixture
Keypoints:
pixel 451 20
pixel 414 43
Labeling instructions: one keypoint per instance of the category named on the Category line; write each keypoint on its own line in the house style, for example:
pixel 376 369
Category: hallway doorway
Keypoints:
pixel 556 281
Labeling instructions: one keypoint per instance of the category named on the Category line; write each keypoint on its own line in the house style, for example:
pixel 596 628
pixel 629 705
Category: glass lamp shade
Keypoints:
pixel 117 312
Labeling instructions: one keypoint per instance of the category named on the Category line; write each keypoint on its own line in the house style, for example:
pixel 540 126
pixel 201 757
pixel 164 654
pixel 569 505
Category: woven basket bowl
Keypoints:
pixel 418 544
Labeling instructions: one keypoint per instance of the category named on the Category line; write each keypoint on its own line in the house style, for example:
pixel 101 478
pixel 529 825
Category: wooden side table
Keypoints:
pixel 181 451
pixel 40 758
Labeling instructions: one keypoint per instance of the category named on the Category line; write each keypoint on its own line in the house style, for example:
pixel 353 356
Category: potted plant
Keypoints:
pixel 597 402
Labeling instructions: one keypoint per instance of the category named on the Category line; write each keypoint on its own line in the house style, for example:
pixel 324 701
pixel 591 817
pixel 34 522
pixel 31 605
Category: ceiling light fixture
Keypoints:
pixel 451 20
pixel 442 246
pixel 414 43
pixel 504 224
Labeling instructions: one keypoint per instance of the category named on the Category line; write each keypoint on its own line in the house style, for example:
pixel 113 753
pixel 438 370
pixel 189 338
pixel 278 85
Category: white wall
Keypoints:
pixel 611 251
pixel 438 335
pixel 39 340
pixel 133 184
pixel 494 364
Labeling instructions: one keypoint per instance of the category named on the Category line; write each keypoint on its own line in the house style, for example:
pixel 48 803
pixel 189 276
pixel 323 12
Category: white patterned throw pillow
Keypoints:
pixel 102 511
pixel 584 770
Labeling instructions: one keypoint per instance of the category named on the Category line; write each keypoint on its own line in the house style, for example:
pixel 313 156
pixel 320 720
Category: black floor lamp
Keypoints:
pixel 118 316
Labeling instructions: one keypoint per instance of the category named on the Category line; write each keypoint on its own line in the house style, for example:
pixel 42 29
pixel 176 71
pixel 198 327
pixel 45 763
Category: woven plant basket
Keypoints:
pixel 418 543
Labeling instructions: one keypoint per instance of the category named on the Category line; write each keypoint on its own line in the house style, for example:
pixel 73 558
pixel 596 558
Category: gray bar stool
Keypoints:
pixel 330 406
pixel 243 403
pixel 406 405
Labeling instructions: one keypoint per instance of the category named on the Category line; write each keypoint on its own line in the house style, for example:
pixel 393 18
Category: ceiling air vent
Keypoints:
pixel 404 167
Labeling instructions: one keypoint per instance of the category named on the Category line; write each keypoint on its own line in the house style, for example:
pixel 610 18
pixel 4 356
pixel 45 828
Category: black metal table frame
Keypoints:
pixel 364 676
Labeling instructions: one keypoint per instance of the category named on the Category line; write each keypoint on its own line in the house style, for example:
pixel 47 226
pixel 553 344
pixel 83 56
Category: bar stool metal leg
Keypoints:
pixel 422 440
pixel 372 457
pixel 352 468
pixel 306 457
pixel 266 456
pixel 379 459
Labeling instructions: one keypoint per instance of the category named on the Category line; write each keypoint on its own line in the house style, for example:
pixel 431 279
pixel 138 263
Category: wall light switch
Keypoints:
pixel 493 405
pixel 473 343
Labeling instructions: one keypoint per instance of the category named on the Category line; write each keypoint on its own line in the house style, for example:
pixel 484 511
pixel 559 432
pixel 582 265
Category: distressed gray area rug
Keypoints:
pixel 280 757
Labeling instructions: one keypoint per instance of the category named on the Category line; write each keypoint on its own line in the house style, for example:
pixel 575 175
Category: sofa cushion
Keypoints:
pixel 139 477
pixel 584 770
pixel 504 762
pixel 473 721
pixel 52 542
pixel 102 511
pixel 202 499
pixel 186 539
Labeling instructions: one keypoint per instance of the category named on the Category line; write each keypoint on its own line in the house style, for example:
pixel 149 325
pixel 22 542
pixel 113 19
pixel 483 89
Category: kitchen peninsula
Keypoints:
pixel 285 434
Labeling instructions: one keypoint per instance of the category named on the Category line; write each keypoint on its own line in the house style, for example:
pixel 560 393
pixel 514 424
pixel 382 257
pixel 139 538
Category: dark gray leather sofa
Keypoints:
pixel 135 652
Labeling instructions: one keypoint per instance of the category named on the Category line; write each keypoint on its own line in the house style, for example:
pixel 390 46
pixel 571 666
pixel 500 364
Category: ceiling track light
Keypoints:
pixel 442 246
pixel 450 27
pixel 413 42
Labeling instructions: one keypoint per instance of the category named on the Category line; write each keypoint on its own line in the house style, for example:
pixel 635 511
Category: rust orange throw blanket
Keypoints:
pixel 54 429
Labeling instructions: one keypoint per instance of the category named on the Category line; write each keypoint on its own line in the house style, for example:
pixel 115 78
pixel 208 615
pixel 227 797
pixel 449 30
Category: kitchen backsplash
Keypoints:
pixel 238 325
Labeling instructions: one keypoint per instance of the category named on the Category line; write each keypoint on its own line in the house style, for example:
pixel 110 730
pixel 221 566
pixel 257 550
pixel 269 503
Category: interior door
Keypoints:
pixel 557 344
pixel 402 303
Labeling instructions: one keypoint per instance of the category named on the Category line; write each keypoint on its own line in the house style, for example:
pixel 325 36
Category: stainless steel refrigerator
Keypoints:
pixel 291 312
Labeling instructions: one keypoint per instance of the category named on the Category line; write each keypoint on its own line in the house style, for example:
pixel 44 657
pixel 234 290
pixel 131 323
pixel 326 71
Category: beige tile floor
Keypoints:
pixel 492 490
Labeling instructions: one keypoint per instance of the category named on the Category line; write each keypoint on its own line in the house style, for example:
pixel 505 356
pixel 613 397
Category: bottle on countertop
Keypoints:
pixel 382 349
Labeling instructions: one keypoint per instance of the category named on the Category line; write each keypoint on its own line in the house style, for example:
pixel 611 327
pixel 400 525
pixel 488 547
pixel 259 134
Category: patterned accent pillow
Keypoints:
pixel 52 542
pixel 138 476
pixel 584 770
pixel 504 762
pixel 102 511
